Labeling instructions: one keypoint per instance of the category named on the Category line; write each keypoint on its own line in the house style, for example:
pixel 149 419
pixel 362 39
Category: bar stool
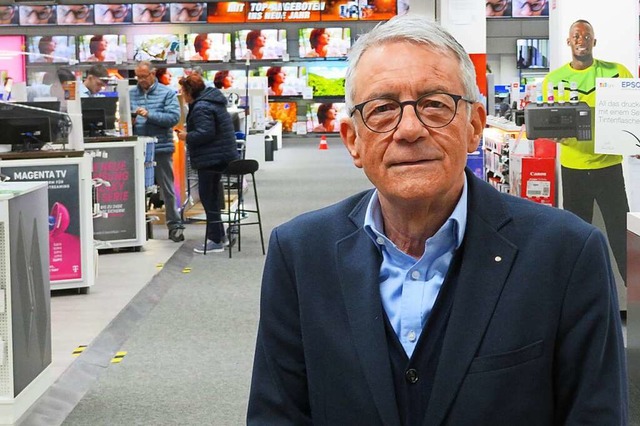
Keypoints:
pixel 241 215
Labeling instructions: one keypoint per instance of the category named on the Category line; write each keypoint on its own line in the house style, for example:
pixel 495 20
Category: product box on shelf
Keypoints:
pixel 533 178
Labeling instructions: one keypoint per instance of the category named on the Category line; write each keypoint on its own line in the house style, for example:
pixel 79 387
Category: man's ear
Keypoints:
pixel 594 42
pixel 477 124
pixel 348 134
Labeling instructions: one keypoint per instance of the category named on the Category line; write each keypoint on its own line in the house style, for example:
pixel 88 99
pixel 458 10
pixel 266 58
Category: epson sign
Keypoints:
pixel 630 84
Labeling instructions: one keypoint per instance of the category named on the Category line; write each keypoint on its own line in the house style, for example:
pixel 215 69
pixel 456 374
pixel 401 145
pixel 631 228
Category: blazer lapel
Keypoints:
pixel 359 266
pixel 486 261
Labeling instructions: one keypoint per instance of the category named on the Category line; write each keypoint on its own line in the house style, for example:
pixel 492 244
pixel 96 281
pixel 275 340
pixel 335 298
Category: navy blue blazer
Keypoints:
pixel 534 336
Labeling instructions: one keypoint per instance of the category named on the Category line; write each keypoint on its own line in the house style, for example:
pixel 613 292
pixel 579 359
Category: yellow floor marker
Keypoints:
pixel 118 358
pixel 77 351
pixel 186 270
pixel 160 265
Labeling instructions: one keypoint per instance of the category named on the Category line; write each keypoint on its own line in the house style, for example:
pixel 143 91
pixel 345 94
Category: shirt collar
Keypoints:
pixel 373 223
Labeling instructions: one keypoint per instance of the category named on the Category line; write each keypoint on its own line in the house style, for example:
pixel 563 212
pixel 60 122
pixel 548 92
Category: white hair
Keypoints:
pixel 417 30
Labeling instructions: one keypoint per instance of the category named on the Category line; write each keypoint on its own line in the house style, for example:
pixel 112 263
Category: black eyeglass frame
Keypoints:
pixel 414 104
pixel 498 7
pixel 534 8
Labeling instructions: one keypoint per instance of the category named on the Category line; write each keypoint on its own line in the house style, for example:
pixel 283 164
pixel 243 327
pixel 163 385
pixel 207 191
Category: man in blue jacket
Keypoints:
pixel 156 110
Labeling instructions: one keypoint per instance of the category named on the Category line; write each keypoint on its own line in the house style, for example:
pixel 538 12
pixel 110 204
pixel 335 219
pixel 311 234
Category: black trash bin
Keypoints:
pixel 268 148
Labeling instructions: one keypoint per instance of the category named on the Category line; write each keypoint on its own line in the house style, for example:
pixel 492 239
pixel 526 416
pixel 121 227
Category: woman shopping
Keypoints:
pixel 211 145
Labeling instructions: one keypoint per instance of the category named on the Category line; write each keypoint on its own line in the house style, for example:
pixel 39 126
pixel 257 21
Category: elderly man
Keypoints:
pixel 433 299
pixel 156 111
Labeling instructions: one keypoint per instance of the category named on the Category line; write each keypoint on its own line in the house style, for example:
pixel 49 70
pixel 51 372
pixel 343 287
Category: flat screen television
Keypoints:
pixel 283 81
pixel 75 14
pixel 112 13
pixel 327 79
pixel 234 78
pixel 9 15
pixel 498 9
pixel 324 42
pixel 325 117
pixel 98 115
pixel 188 12
pixel 529 8
pixel 532 53
pixel 207 47
pixel 154 47
pixel 260 44
pixel 102 48
pixel 284 112
pixel 38 14
pixel 150 13
pixel 51 49
pixel 226 12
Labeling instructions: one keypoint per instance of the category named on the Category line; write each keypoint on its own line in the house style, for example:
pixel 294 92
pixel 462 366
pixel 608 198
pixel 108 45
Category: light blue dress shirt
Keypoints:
pixel 409 287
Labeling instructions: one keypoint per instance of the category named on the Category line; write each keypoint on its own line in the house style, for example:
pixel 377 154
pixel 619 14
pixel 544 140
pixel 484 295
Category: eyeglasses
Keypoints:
pixel 6 12
pixel 81 13
pixel 155 12
pixel 498 7
pixel 117 13
pixel 192 12
pixel 144 77
pixel 434 110
pixel 42 14
pixel 535 6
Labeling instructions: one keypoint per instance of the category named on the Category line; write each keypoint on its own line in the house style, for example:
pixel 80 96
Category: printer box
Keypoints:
pixel 534 179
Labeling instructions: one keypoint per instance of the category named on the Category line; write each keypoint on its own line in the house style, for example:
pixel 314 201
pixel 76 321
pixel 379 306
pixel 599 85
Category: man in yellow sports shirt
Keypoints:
pixel 587 176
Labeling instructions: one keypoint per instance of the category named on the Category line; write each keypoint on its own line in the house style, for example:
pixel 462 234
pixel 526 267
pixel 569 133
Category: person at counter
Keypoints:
pixel 97 77
pixel 155 111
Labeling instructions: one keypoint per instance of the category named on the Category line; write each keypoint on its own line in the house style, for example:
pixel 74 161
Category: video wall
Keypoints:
pixel 517 8
pixel 213 13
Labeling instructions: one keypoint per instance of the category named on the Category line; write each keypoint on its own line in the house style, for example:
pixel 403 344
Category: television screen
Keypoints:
pixel 377 10
pixel 38 15
pixel 498 8
pixel 226 79
pixel 107 14
pixel 154 47
pixel 75 14
pixel 150 13
pixel 325 117
pixel 188 12
pixel 327 79
pixel 532 53
pixel 48 49
pixel 207 47
pixel 284 112
pixel 29 125
pixel 529 8
pixel 170 76
pixel 102 48
pixel 226 12
pixel 324 42
pixel 341 10
pixel 283 81
pixel 9 14
pixel 260 44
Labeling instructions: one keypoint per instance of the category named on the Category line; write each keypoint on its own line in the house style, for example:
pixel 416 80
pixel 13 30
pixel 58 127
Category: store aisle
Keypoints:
pixel 189 333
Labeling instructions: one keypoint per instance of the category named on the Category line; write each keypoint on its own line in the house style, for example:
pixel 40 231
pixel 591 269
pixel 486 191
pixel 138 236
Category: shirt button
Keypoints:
pixel 380 241
pixel 411 375
pixel 415 275
pixel 411 336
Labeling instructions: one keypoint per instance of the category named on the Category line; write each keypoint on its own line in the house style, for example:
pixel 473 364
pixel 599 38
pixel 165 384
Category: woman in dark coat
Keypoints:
pixel 211 144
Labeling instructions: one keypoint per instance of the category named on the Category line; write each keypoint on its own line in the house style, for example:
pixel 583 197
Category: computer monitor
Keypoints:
pixel 26 133
pixel 98 115
pixel 48 105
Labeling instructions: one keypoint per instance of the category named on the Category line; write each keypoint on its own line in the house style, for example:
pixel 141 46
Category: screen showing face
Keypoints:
pixel 188 12
pixel 208 47
pixel 49 49
pixel 9 14
pixel 325 117
pixel 226 79
pixel 75 14
pixel 154 47
pixel 327 80
pixel 38 15
pixel 150 13
pixel 107 14
pixel 260 44
pixel 283 81
pixel 102 48
pixel 324 42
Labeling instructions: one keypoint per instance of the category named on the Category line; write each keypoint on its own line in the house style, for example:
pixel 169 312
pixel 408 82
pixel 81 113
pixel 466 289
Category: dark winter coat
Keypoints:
pixel 164 113
pixel 211 139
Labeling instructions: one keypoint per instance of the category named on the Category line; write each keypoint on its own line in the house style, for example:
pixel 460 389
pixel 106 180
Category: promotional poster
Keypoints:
pixel 65 255
pixel 115 197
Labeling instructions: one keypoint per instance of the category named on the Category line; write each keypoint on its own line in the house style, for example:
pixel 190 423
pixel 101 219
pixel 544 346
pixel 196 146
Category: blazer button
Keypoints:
pixel 411 375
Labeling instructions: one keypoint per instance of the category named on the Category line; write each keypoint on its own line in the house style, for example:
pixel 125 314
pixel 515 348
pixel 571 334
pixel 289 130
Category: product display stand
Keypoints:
pixel 68 173
pixel 25 310
pixel 119 192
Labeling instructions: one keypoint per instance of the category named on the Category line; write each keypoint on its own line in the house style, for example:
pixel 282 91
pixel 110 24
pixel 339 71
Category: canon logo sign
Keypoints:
pixel 538 174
